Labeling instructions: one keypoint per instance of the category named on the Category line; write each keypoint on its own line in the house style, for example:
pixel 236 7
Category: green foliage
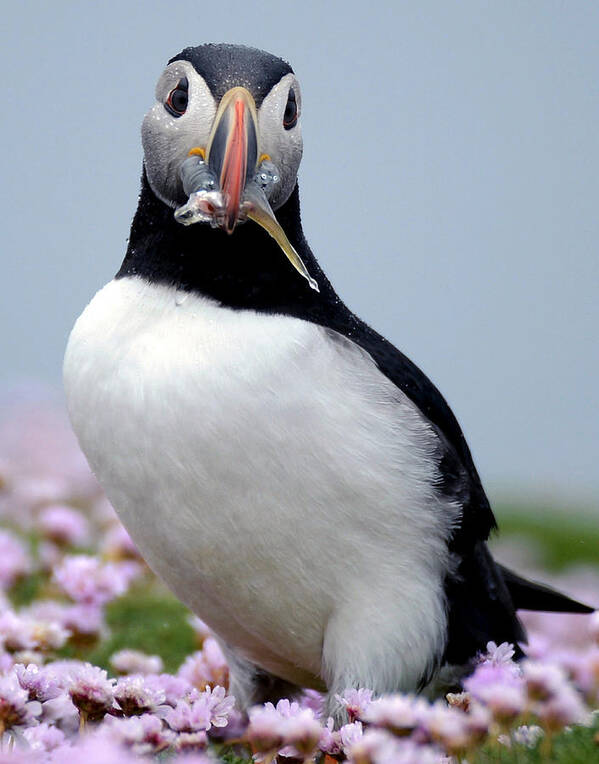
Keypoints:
pixel 566 537
pixel 148 620
pixel 27 589
pixel 579 745
pixel 227 755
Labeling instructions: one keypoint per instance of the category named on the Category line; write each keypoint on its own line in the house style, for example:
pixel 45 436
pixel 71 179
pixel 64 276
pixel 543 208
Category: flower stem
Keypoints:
pixel 546 745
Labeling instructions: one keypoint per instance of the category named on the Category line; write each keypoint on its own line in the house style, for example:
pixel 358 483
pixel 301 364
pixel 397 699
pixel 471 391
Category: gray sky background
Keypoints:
pixel 450 189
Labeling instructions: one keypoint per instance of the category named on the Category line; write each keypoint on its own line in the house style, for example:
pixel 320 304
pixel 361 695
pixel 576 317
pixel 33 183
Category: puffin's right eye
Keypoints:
pixel 176 103
pixel 291 114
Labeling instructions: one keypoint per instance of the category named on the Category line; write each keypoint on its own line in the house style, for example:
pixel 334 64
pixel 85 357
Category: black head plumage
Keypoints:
pixel 223 66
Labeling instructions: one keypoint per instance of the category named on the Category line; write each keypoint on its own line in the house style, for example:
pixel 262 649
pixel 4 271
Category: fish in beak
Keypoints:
pixel 228 181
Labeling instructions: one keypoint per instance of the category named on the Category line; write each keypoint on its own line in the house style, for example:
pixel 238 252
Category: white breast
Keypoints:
pixel 277 481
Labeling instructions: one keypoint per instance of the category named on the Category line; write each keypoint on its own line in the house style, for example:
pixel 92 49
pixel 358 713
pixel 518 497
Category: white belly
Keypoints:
pixel 271 475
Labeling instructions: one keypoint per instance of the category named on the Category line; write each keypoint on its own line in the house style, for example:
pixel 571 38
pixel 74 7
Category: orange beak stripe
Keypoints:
pixel 232 178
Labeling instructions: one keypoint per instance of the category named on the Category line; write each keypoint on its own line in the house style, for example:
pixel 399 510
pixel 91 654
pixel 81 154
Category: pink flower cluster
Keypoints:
pixel 498 696
pixel 59 706
pixel 59 533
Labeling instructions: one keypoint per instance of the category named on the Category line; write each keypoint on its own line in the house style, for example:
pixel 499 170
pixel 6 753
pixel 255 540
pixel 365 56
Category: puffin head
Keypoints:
pixel 222 143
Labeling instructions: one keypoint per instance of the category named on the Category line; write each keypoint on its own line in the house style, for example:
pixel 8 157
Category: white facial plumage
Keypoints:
pixel 167 139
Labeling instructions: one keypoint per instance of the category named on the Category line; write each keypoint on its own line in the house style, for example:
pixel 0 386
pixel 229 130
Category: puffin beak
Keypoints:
pixel 221 182
pixel 232 151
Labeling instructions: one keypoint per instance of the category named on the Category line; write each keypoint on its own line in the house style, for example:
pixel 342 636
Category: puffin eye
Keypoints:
pixel 176 103
pixel 290 116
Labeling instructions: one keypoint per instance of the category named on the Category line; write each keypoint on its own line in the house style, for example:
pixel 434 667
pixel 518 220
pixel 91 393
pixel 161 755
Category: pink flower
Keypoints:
pixel 330 739
pixel 380 747
pixel 287 708
pixel 301 734
pixel 499 689
pixel 189 717
pixel 86 619
pixel 41 683
pixel 53 622
pixel 207 667
pixel 16 632
pixel 45 610
pixel 312 699
pixel 355 701
pixel 136 662
pixel 543 680
pixel 91 691
pixel 448 726
pixel 400 714
pixel 61 712
pixel 49 635
pixel 210 709
pixel 134 697
pixel 99 747
pixel 499 655
pixel 43 737
pixel 563 709
pixel 185 742
pixel 376 745
pixel 265 731
pixel 221 705
pixel 350 734
pixel 16 710
pixel 288 728
pixel 145 734
pixel 88 581
pixel 63 524
pixel 21 633
pixel 14 559
pixel 175 688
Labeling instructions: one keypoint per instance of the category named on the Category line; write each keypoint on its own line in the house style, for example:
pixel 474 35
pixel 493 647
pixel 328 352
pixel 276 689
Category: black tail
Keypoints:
pixel 528 595
pixel 483 597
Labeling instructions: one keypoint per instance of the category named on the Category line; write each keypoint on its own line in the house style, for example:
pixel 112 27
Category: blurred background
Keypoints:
pixel 449 189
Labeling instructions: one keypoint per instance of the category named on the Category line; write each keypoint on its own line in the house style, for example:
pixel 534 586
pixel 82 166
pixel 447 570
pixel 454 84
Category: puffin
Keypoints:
pixel 294 478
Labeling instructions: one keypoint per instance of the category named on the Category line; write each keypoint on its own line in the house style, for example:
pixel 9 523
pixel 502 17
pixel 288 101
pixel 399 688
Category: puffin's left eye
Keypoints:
pixel 176 103
pixel 291 115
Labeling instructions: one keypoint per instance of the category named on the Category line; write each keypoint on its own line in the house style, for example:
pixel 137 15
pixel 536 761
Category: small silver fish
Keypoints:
pixel 206 204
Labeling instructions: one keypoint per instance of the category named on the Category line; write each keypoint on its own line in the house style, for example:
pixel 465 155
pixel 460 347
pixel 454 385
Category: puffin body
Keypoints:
pixel 270 473
pixel 294 478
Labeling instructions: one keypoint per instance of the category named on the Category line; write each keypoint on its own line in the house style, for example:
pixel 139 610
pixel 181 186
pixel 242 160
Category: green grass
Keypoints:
pixel 566 537
pixel 579 745
pixel 27 589
pixel 147 620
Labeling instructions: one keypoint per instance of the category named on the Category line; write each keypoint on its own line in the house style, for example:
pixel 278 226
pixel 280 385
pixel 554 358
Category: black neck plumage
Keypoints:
pixel 244 270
